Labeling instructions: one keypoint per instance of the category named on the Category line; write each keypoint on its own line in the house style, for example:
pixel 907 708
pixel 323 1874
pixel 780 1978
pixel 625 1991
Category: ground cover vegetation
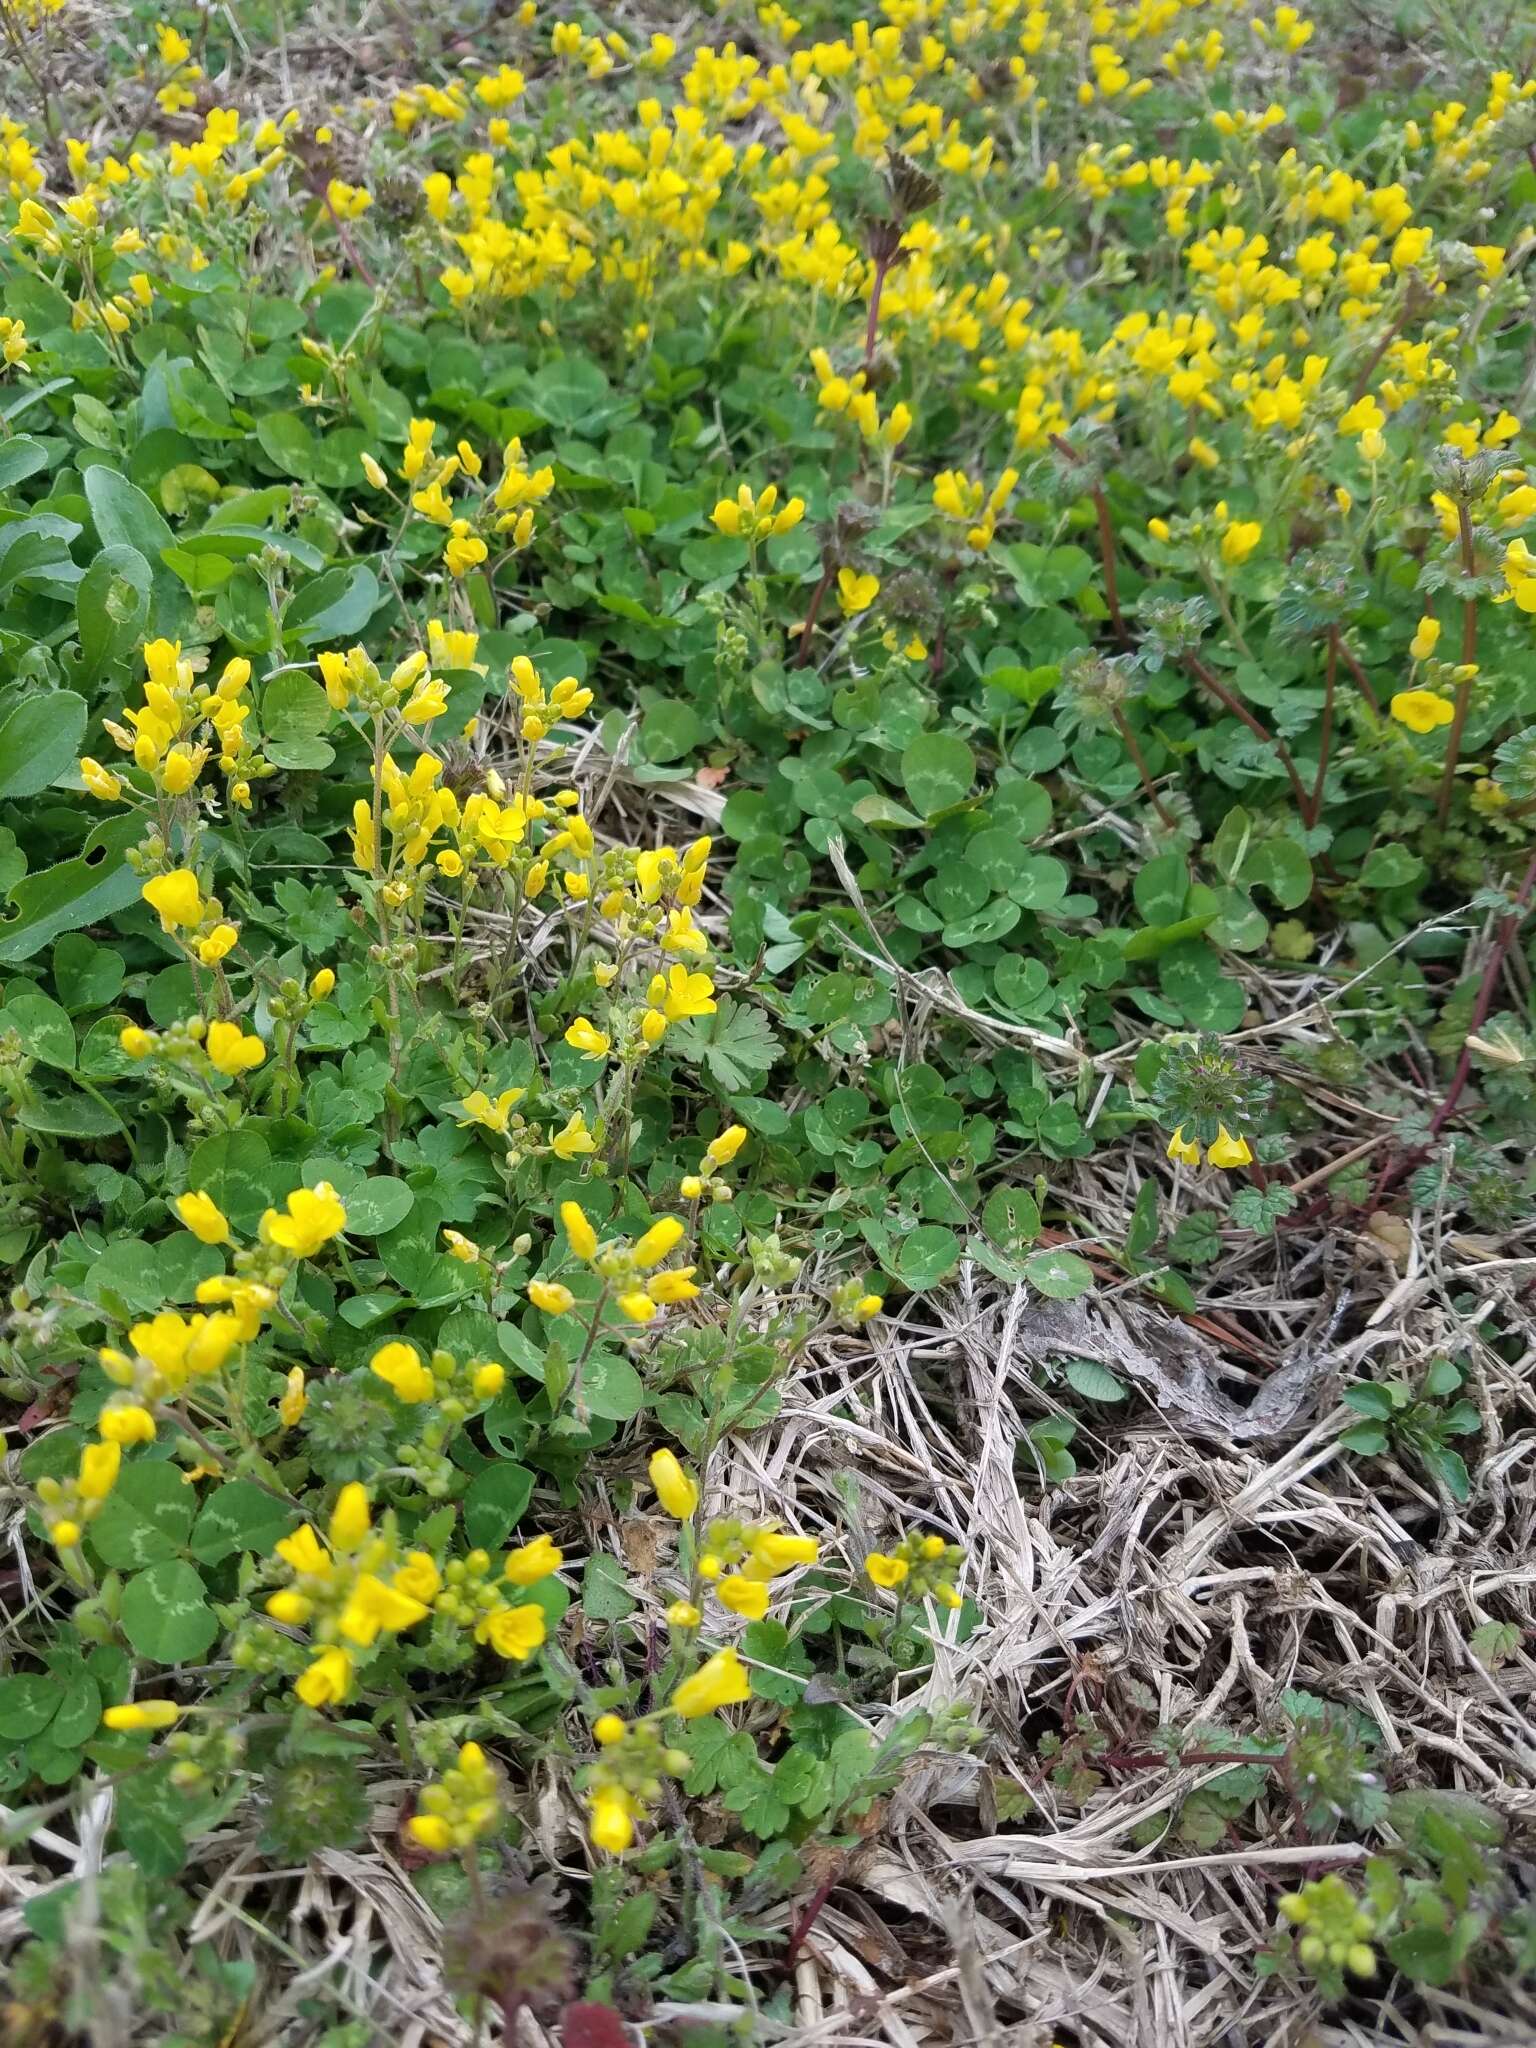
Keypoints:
pixel 766 799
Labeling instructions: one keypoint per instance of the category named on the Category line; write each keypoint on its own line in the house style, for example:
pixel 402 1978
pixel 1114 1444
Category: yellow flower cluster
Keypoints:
pixel 460 1807
pixel 1226 1151
pixel 452 1388
pixel 170 738
pixel 626 1269
pixel 503 510
pixel 625 1782
pixel 971 506
pixel 919 1568
pixel 755 519
pixel 706 1184
pixel 205 1047
pixel 357 1586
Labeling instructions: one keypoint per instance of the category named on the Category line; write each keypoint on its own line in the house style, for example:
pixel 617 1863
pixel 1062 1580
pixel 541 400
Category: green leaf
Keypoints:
pixel 1093 1381
pixel 1160 887
pixel 239 1515
pixel 1391 867
pixel 236 1168
pixel 27 1704
pixel 87 976
pixel 165 1615
pixel 605 1594
pixel 79 1714
pixel 937 770
pixel 43 1027
pixel 77 892
pixel 735 1045
pixel 125 518
pixel 20 457
pixel 1060 1276
pixel 377 1205
pixel 611 1387
pixel 923 1257
pixel 336 606
pixel 147 1517
pixel 112 608
pixel 494 1501
pixel 39 740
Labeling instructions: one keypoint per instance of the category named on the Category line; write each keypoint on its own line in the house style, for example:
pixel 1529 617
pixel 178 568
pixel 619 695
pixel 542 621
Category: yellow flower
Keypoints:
pixel 290 1409
pixel 533 1561
pixel 855 592
pixel 142 1714
pixel 1421 710
pixel 304 1553
pixel 1240 539
pixel 774 1552
pixel 487 1381
pixel 464 552
pixel 1183 1149
pixel 635 1306
pixel 231 1050
pixel 136 1041
pixel 722 1150
pixel 676 1489
pixel 513 1632
pixel 221 940
pixel 98 1470
pixel 128 1424
pixel 478 1108
pixel 419 1577
pixel 398 1366
pixel 612 1824
pixel 574 1139
pixel 722 1682
pixel 101 782
pixel 667 1288
pixel 682 993
pixel 1229 1151
pixel 372 1607
pixel 583 1238
pixel 683 1614
pixel 660 1239
pixel 203 1217
pixel 290 1608
pixel 431 1832
pixel 551 1297
pixel 460 1247
pixel 586 1038
pixel 1425 639
pixel 727 516
pixel 886 1571
pixel 176 897
pixel 66 1534
pixel 349 1517
pixel 328 1679
pixel 867 1307
pixel 608 1729
pixel 746 1597
pixel 315 1215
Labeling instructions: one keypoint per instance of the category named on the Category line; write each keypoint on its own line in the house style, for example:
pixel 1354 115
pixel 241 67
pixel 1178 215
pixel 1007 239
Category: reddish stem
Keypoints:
pixel 1469 660
pixel 1362 680
pixel 1106 541
pixel 803 655
pixel 1487 988
pixel 872 324
pixel 1238 709
pixel 1133 748
pixel 1325 740
pixel 805 1923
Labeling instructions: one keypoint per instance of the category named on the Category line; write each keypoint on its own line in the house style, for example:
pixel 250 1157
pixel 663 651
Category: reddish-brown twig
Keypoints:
pixel 1469 661
pixel 1106 541
pixel 1325 738
pixel 1238 709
